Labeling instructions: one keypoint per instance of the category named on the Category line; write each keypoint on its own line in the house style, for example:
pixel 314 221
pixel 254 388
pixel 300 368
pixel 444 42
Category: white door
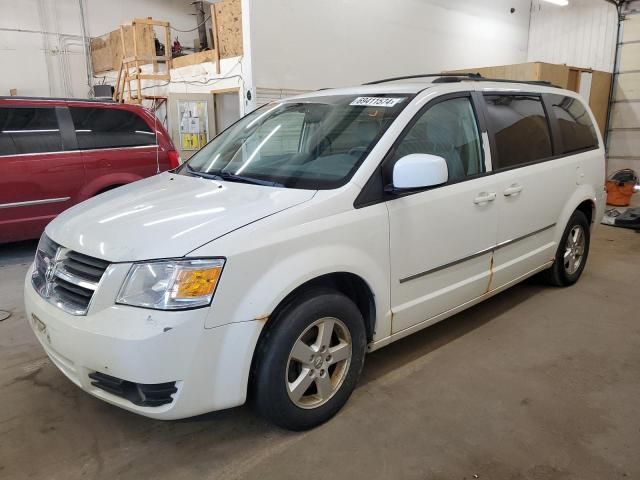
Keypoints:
pixel 441 239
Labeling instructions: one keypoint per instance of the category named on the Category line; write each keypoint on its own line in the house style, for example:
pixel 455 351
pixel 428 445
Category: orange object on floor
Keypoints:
pixel 619 194
pixel 620 187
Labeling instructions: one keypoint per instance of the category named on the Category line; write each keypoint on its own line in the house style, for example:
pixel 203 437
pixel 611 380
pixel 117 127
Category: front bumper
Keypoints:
pixel 210 366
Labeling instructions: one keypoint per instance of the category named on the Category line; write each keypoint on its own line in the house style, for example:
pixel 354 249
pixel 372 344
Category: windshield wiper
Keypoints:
pixel 232 177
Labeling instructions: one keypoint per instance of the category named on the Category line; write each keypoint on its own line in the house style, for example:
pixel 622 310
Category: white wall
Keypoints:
pixel 40 64
pixel 309 44
pixel 582 34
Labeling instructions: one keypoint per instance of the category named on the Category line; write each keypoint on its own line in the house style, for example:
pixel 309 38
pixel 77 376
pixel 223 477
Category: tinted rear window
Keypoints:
pixel 29 130
pixel 110 128
pixel 520 128
pixel 576 129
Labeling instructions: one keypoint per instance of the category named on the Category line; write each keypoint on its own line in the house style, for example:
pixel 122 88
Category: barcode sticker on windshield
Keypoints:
pixel 376 101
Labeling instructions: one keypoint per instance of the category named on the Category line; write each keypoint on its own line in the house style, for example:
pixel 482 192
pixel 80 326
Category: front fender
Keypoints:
pixel 272 265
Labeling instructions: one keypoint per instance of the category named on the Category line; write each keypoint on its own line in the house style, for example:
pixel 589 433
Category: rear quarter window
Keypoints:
pixel 25 130
pixel 577 131
pixel 110 128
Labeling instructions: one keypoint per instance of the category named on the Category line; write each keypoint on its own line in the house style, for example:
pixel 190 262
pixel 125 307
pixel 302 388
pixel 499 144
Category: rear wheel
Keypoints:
pixel 309 360
pixel 571 256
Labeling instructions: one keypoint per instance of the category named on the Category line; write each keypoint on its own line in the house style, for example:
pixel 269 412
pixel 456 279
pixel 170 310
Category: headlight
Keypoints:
pixel 171 284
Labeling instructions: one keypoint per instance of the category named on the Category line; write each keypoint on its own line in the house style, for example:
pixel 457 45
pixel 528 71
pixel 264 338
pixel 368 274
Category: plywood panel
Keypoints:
pixel 229 26
pixel 626 115
pixel 194 58
pixel 101 54
pixel 521 71
pixel 106 50
pixel 624 143
pixel 599 97
pixel 628 86
pixel 631 29
pixel 556 74
pixel 630 57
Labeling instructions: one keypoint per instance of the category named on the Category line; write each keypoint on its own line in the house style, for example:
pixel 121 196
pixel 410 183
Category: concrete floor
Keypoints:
pixel 537 383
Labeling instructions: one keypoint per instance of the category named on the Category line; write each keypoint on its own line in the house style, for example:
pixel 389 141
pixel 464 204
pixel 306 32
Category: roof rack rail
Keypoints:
pixel 459 77
pixel 425 75
pixel 57 99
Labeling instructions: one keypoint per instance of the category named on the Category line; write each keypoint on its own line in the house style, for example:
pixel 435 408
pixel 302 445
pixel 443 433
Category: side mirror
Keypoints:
pixel 419 170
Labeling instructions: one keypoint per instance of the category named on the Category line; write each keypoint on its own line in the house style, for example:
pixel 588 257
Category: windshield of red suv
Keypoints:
pixel 314 143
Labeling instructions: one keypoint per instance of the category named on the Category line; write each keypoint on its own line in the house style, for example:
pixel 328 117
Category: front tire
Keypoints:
pixel 571 256
pixel 309 360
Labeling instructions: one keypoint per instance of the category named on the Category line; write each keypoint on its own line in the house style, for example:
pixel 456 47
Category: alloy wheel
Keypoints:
pixel 574 250
pixel 318 363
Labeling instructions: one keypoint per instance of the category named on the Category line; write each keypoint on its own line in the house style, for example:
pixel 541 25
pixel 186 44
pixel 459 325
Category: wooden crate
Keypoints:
pixel 106 50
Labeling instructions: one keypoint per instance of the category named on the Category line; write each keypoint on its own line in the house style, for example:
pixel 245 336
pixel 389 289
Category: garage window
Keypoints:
pixel 576 129
pixel 29 130
pixel 520 129
pixel 110 128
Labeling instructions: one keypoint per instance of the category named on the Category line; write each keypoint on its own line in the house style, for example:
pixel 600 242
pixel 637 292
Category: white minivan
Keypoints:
pixel 311 231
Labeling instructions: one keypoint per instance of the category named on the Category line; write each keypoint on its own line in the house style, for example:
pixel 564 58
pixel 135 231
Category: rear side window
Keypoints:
pixel 110 128
pixel 520 129
pixel 576 129
pixel 29 130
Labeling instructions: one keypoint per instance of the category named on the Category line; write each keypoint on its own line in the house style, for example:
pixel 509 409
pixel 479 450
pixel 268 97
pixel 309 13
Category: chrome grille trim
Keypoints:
pixel 65 278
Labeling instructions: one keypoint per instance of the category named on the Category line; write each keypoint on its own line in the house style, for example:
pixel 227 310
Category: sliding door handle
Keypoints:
pixel 484 197
pixel 512 190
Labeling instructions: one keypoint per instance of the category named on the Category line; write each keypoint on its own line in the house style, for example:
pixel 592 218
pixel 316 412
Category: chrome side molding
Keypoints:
pixel 34 202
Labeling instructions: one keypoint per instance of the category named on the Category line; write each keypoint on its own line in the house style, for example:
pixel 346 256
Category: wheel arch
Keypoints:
pixel 349 284
pixel 106 182
pixel 583 199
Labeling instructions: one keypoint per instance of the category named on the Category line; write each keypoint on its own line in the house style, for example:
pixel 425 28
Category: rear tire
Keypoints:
pixel 309 360
pixel 571 256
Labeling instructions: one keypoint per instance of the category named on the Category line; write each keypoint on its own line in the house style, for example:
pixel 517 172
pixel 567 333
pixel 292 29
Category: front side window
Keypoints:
pixel 29 130
pixel 576 129
pixel 520 129
pixel 314 143
pixel 110 128
pixel 447 129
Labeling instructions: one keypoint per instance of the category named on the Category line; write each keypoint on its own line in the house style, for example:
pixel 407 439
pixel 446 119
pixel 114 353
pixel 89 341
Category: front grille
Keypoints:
pixel 141 394
pixel 66 278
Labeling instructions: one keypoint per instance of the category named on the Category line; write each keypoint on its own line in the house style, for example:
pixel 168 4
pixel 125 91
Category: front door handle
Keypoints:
pixel 484 197
pixel 514 189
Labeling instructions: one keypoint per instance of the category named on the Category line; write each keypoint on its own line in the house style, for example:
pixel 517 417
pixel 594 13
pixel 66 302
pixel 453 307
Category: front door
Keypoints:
pixel 441 239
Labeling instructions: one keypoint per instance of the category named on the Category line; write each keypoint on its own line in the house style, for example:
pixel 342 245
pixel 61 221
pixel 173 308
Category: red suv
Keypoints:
pixel 55 153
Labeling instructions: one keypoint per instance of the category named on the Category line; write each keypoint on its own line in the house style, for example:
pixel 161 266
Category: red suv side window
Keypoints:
pixel 110 128
pixel 29 130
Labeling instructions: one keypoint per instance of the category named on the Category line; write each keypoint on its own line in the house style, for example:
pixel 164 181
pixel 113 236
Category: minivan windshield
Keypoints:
pixel 315 143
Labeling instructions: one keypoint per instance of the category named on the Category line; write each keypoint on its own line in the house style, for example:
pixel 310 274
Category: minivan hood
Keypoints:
pixel 165 216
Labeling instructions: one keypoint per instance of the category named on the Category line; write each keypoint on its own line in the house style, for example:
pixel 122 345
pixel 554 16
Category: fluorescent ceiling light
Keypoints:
pixel 562 3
